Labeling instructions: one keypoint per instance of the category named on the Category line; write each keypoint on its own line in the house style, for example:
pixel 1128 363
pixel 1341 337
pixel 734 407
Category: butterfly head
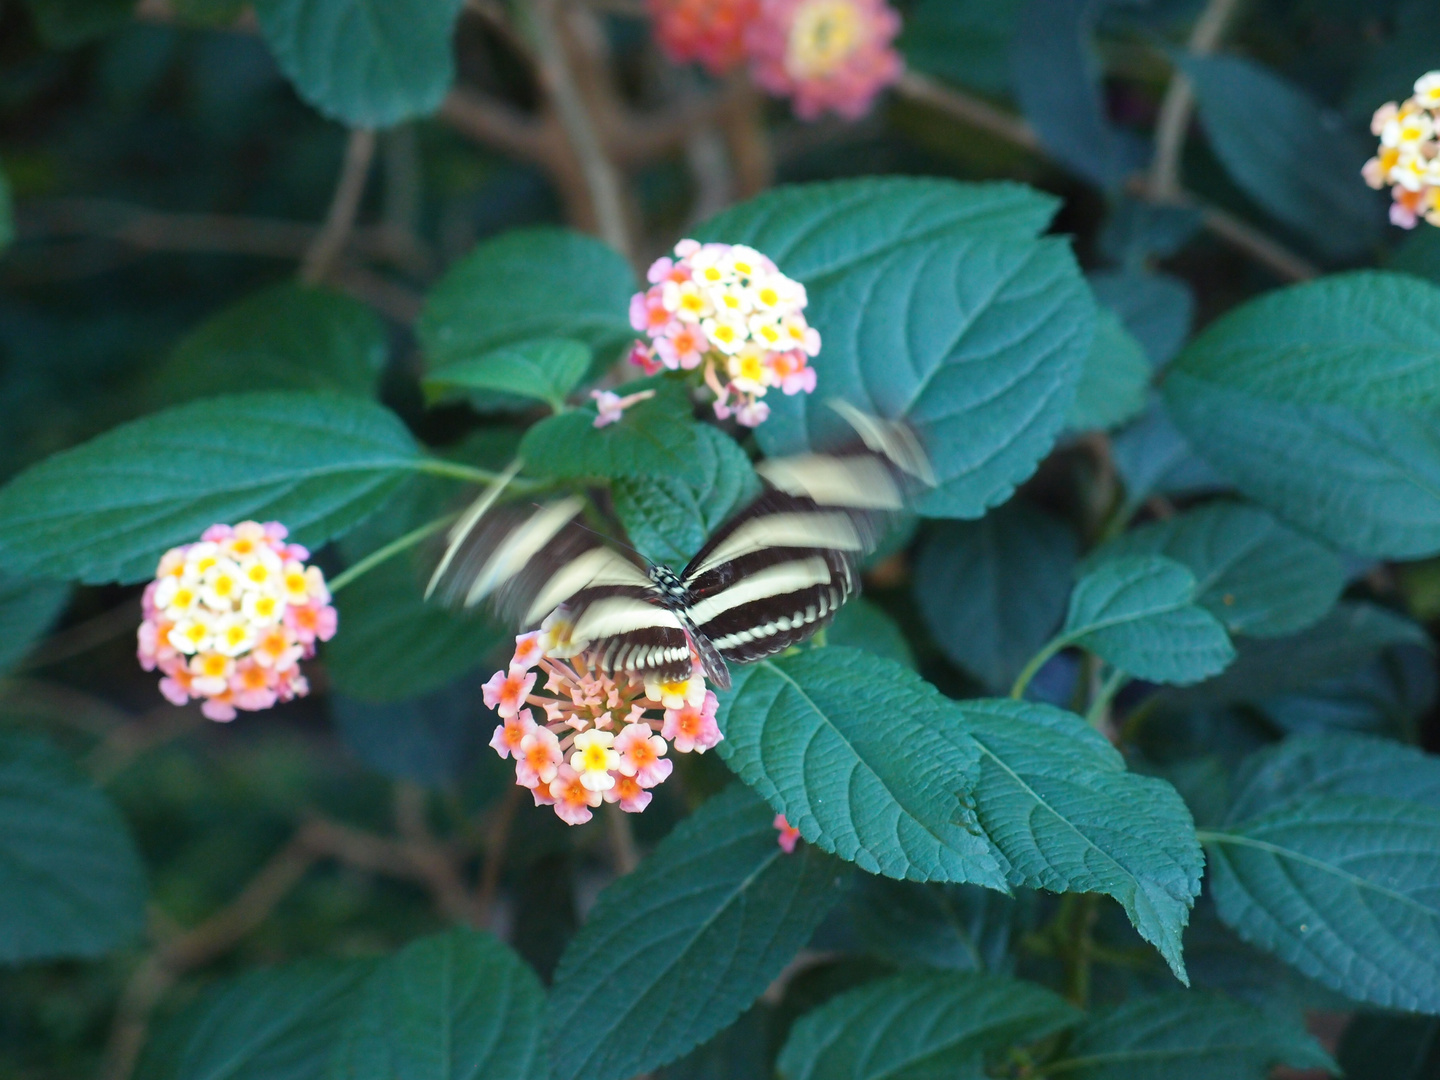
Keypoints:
pixel 669 584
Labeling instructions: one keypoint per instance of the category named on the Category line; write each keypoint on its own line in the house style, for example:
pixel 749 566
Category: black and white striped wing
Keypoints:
pixel 529 561
pixel 780 569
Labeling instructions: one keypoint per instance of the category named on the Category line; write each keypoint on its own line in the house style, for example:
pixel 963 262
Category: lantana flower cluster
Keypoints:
pixel 727 309
pixel 825 55
pixel 585 736
pixel 228 619
pixel 1409 156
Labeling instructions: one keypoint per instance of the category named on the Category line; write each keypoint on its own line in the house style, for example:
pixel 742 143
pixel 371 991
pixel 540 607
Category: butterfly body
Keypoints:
pixel 770 576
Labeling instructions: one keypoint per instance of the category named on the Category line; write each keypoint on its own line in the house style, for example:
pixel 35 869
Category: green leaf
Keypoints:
pixel 1319 401
pixel 1156 308
pixel 394 646
pixel 740 1052
pixel 1334 764
pixel 667 517
pixel 1292 157
pixel 71 883
pixel 27 610
pixel 1139 613
pixel 1194 1036
pixel 435 739
pixel 546 369
pixel 286 337
pixel 978 341
pixel 993 591
pixel 1352 635
pixel 653 439
pixel 965 43
pixel 454 1006
pixel 67 23
pixel 1255 575
pixel 919 1026
pixel 852 750
pixel 817 232
pixel 1114 380
pixel 675 951
pixel 1153 458
pixel 529 283
pixel 1376 1047
pixel 365 63
pixel 1344 888
pixel 1055 799
pixel 108 509
pixel 864 625
pixel 272 1024
pixel 927 924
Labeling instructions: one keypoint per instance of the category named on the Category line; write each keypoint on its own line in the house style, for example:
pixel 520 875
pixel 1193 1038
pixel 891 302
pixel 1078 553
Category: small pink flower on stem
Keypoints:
pixel 511 734
pixel 610 407
pixel 825 55
pixel 506 690
pixel 789 834
pixel 693 727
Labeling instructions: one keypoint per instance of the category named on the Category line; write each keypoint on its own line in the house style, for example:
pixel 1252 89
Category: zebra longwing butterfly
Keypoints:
pixel 770 576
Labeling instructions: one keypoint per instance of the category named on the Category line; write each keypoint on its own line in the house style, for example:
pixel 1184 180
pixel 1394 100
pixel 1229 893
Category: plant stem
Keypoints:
pixel 375 558
pixel 456 470
pixel 1099 711
pixel 1035 663
pixel 349 189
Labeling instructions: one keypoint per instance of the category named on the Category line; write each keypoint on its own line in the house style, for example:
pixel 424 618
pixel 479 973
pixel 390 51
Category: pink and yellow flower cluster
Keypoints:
pixel 1409 156
pixel 728 309
pixel 825 55
pixel 227 620
pixel 588 737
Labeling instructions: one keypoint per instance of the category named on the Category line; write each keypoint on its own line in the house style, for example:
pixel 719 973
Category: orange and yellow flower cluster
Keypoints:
pixel 825 55
pixel 1409 156
pixel 729 309
pixel 587 737
pixel 227 620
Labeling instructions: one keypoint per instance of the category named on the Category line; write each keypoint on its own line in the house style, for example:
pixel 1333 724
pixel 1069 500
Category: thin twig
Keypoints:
pixel 340 220
pixel 438 865
pixel 1238 234
pixel 82 637
pixel 602 180
pixel 622 839
pixel 211 938
pixel 1173 124
pixel 389 551
pixel 496 124
pixel 496 844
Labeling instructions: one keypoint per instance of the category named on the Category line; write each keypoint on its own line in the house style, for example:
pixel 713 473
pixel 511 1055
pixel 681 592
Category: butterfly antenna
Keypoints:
pixel 894 439
pixel 466 525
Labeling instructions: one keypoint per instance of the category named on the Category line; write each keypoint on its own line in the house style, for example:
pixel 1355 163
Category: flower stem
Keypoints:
pixel 1100 707
pixel 395 547
pixel 1035 663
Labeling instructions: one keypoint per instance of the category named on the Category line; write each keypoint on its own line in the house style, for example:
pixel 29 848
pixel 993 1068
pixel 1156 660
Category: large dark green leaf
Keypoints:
pixel 927 924
pixel 71 884
pixel 1194 1036
pixel 27 610
pixel 994 590
pixel 530 283
pixel 1058 804
pixel 455 1006
pixel 1319 401
pixel 365 63
pixel 1254 574
pixel 1140 613
pixel 1156 308
pixel 921 1025
pixel 864 625
pixel 816 232
pixel 286 337
pixel 977 341
pixel 654 439
pixel 850 748
pixel 109 508
pixel 395 645
pixel 273 1024
pixel 667 517
pixel 1291 156
pixel 675 951
pixel 1352 635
